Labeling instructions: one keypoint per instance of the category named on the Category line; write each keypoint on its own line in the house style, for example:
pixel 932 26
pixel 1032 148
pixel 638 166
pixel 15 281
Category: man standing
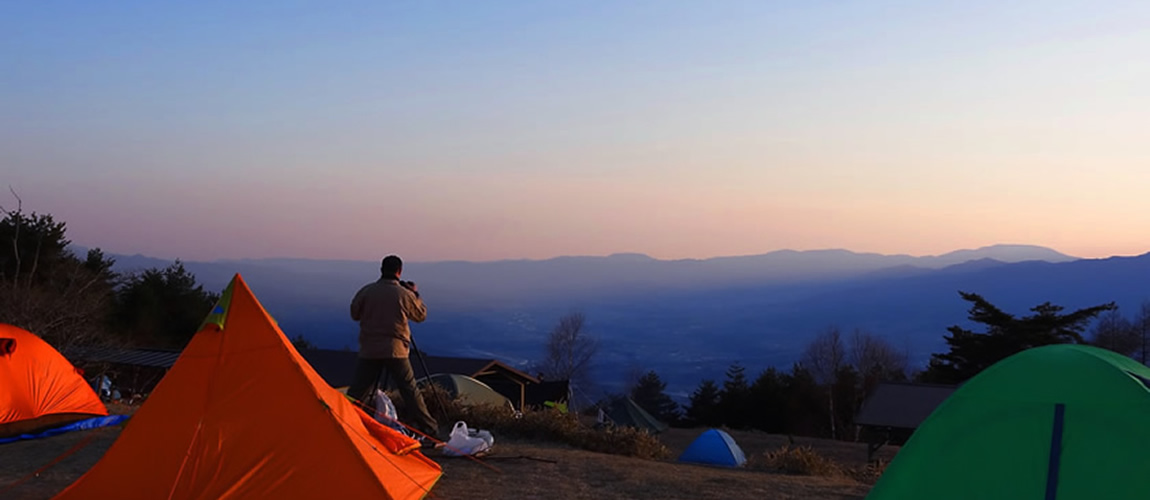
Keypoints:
pixel 383 309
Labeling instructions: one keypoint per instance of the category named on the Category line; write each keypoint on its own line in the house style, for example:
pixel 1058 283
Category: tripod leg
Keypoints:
pixel 427 373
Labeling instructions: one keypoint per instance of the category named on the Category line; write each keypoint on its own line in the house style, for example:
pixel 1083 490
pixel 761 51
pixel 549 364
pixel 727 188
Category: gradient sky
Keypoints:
pixel 489 129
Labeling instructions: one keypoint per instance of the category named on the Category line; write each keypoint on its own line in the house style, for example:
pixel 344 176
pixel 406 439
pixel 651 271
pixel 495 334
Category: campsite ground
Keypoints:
pixel 526 470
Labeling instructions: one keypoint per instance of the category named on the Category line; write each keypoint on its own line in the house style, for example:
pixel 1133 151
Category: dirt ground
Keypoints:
pixel 524 471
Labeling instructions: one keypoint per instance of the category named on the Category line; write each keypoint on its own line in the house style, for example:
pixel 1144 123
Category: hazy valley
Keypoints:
pixel 686 319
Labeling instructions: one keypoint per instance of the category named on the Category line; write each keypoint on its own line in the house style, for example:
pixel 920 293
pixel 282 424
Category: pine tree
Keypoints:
pixel 971 352
pixel 648 394
pixel 767 402
pixel 734 398
pixel 703 405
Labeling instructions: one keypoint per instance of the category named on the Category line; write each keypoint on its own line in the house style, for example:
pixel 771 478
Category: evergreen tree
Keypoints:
pixel 767 402
pixel 806 403
pixel 301 343
pixel 971 352
pixel 734 399
pixel 703 405
pixel 846 397
pixel 162 307
pixel 648 394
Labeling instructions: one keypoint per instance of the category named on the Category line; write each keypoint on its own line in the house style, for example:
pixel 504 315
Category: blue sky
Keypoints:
pixel 482 130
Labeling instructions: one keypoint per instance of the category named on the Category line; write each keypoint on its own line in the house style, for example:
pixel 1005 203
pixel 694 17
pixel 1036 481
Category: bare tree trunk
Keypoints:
pixel 831 392
pixel 15 234
pixel 1144 331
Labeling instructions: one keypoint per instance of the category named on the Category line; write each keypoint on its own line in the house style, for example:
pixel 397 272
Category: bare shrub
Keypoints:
pixel 798 460
pixel 547 424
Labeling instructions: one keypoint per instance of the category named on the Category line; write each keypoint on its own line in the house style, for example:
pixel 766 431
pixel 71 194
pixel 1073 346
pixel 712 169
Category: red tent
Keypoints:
pixel 39 388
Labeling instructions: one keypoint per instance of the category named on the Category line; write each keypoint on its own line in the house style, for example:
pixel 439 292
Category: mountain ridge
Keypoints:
pixel 1026 251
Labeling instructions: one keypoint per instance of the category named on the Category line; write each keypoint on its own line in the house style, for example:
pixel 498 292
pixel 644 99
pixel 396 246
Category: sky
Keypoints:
pixel 531 129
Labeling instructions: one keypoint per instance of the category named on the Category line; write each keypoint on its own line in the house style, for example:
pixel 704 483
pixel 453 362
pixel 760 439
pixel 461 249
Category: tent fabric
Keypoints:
pixel 81 425
pixel 714 447
pixel 469 390
pixel 39 388
pixel 625 412
pixel 1062 422
pixel 241 415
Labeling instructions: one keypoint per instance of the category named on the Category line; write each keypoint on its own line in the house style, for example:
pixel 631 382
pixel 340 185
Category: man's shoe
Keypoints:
pixel 427 443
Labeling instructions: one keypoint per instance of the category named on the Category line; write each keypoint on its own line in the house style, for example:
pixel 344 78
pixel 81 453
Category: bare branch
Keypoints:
pixel 19 202
pixel 569 349
pixel 35 259
pixel 825 355
pixel 17 220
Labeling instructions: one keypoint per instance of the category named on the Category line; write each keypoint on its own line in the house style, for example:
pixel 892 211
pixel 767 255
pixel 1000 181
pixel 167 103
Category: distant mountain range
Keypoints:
pixel 463 283
pixel 687 319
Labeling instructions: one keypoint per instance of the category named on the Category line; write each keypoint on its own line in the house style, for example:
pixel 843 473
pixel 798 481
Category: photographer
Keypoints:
pixel 383 309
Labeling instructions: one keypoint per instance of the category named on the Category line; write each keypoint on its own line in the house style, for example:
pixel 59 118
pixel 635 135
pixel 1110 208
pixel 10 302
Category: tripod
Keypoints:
pixel 382 381
pixel 427 373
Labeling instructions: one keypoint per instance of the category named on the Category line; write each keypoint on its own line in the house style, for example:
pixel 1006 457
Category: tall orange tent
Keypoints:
pixel 39 388
pixel 242 415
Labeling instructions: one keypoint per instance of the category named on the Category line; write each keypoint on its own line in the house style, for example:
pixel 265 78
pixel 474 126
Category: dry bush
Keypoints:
pixel 547 424
pixel 799 460
pixel 869 473
pixel 805 461
pixel 621 441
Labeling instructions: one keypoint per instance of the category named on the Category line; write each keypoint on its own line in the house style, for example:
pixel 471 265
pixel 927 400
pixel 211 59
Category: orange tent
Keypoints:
pixel 38 387
pixel 242 415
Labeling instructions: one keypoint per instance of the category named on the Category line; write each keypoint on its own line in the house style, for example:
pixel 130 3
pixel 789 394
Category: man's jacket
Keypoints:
pixel 383 309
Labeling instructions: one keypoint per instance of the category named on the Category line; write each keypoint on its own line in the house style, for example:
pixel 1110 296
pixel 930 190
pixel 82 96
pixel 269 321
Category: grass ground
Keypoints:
pixel 526 470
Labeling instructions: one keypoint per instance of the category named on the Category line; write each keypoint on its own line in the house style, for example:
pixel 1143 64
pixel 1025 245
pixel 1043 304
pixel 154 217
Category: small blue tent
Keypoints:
pixel 714 447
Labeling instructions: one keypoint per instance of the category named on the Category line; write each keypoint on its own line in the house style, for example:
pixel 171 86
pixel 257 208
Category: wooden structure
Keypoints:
pixel 895 409
pixel 132 371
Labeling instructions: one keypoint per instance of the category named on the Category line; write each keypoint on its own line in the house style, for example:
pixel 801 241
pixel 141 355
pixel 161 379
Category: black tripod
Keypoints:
pixel 427 373
pixel 382 383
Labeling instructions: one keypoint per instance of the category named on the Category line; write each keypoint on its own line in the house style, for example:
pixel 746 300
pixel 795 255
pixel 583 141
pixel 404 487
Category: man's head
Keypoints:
pixel 391 266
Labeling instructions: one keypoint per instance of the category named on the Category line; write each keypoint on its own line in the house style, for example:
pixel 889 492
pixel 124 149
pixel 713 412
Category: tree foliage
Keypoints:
pixel 162 307
pixel 48 290
pixel 1116 333
pixel 734 398
pixel 1142 327
pixel 301 343
pixel 1005 335
pixel 649 394
pixel 768 396
pixel 77 301
pixel 703 407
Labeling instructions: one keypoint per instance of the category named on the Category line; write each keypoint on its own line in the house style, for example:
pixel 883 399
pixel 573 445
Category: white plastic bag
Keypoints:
pixel 468 442
pixel 385 412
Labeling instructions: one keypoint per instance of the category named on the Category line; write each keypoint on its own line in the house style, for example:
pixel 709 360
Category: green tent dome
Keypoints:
pixel 1065 422
pixel 469 390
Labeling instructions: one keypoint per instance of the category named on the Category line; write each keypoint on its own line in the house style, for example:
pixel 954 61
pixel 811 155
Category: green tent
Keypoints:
pixel 1058 422
pixel 468 390
pixel 624 412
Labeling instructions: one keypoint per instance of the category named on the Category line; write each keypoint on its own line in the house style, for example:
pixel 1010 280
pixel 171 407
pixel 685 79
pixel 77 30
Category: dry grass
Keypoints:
pixel 540 455
pixel 585 475
pixel 547 424
pixel 869 473
pixel 807 456
pixel 525 469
